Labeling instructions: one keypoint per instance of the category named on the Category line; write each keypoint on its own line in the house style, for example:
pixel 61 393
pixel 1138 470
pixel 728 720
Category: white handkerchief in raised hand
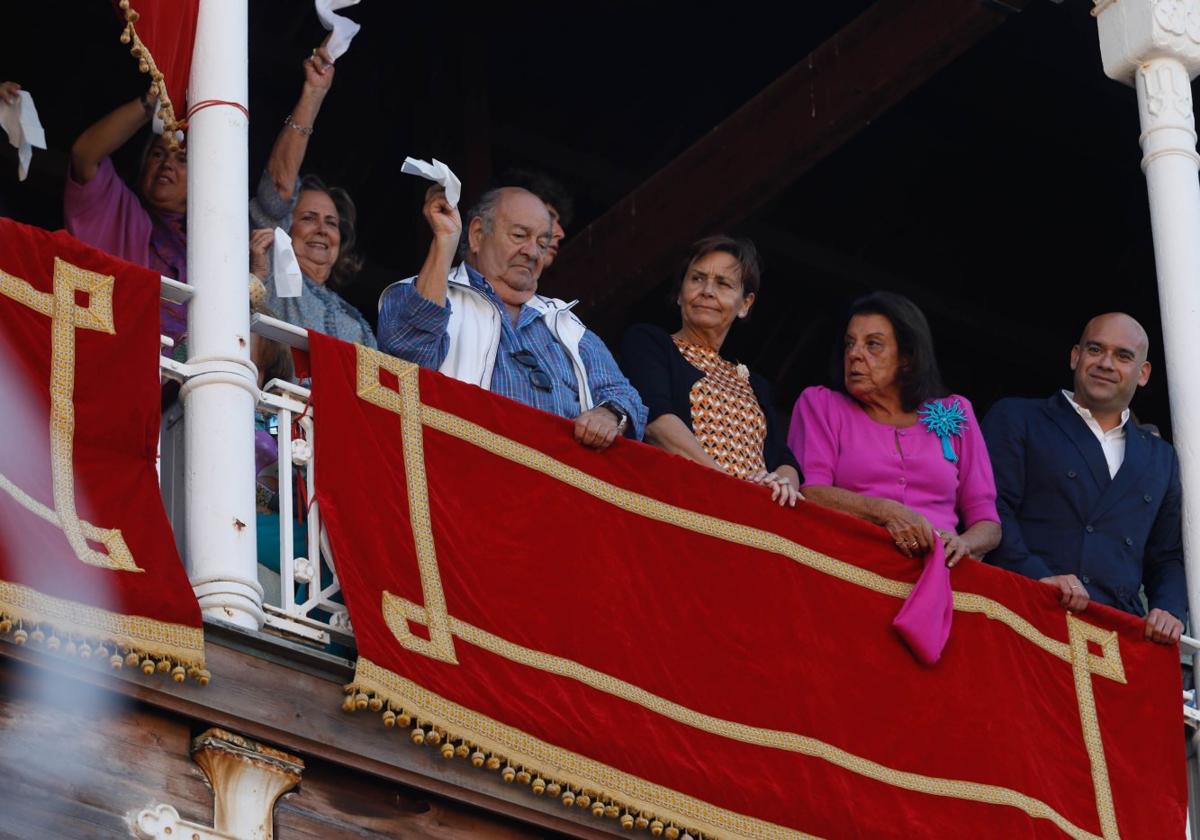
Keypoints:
pixel 288 281
pixel 20 122
pixel 437 172
pixel 343 28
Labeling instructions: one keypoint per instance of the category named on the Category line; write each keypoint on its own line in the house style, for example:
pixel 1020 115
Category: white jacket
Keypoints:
pixel 474 331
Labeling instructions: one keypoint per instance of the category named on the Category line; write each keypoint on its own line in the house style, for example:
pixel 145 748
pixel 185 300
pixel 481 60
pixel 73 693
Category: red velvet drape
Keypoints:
pixel 104 430
pixel 664 637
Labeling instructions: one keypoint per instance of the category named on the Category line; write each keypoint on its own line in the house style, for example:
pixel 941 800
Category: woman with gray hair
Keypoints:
pixel 320 222
pixel 319 219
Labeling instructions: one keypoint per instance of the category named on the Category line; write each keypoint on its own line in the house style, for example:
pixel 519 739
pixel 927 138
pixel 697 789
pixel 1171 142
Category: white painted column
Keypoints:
pixel 219 399
pixel 1154 45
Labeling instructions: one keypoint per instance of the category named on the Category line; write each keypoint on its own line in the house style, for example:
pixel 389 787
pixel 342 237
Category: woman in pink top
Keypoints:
pixel 148 225
pixel 892 447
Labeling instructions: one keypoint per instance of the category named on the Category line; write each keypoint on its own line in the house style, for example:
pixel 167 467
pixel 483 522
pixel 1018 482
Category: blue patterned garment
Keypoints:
pixel 414 328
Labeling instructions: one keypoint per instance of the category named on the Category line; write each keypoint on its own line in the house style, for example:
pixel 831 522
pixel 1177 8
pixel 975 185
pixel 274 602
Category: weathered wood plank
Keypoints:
pixel 299 710
pixel 76 759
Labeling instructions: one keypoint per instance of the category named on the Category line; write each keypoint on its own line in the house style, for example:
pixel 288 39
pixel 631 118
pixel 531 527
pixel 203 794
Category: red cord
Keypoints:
pixel 209 103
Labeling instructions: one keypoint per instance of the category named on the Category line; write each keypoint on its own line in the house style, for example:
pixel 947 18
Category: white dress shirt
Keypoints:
pixel 1112 441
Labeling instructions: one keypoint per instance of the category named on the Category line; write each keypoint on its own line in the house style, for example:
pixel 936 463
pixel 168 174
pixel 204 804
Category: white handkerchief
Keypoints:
pixel 437 172
pixel 288 282
pixel 343 28
pixel 20 122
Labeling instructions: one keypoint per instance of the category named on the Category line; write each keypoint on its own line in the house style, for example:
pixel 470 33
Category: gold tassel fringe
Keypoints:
pixel 540 783
pixel 86 647
pixel 166 110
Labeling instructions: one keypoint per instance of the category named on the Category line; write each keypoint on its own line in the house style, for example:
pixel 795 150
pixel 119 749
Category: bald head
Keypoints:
pixel 1120 322
pixel 1110 365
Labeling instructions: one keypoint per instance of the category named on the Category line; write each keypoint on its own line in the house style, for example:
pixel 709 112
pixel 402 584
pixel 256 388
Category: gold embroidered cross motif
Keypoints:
pixel 66 316
pixel 406 401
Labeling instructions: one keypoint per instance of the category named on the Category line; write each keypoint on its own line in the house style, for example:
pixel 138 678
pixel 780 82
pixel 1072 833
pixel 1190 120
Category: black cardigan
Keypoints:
pixel 664 378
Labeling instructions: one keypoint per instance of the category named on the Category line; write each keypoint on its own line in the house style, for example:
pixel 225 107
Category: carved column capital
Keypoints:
pixel 1136 32
pixel 247 777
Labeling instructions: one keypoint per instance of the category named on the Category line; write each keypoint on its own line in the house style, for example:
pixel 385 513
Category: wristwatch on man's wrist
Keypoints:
pixel 618 412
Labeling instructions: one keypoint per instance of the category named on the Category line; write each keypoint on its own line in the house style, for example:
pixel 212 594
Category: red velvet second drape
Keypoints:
pixel 632 631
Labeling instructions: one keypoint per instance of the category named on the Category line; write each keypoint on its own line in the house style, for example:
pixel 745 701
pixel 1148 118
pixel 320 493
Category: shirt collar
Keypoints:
pixel 1087 415
pixel 478 281
pixel 475 278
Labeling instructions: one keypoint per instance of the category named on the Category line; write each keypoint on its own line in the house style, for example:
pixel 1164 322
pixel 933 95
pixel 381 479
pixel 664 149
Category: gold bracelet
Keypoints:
pixel 306 130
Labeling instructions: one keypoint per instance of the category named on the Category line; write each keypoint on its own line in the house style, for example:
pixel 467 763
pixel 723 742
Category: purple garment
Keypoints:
pixel 106 214
pixel 839 445
pixel 266 449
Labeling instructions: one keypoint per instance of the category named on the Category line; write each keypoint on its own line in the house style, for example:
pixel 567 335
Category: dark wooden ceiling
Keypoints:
pixel 1003 195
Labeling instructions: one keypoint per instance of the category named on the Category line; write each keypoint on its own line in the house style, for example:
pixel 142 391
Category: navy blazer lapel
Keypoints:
pixel 1067 419
pixel 1133 467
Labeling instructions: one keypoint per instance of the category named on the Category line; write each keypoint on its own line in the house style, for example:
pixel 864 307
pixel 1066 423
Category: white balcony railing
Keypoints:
pixel 303 599
pixel 309 595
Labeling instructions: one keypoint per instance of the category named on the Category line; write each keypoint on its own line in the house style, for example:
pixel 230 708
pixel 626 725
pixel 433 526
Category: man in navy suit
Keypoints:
pixel 1088 501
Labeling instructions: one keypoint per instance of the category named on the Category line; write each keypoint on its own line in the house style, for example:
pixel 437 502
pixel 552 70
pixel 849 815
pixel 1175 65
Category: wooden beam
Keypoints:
pixel 763 147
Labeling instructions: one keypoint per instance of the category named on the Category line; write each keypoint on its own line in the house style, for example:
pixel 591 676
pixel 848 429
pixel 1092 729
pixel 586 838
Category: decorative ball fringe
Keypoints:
pixel 146 64
pixel 452 746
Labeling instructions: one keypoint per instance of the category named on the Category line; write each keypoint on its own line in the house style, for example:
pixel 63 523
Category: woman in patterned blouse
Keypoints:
pixel 703 406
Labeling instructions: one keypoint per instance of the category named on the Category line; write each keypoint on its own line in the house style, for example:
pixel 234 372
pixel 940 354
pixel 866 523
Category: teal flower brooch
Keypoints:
pixel 944 421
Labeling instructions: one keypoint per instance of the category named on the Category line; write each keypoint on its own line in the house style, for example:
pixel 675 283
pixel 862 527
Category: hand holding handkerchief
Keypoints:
pixel 20 122
pixel 343 28
pixel 288 280
pixel 437 172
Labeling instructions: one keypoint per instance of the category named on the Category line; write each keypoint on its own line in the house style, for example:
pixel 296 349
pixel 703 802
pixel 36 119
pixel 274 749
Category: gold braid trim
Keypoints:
pixel 73 629
pixel 546 769
pixel 139 50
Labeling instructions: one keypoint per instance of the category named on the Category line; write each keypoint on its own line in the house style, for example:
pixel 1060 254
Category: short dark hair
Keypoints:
pixel 740 249
pixel 550 191
pixel 348 262
pixel 920 381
